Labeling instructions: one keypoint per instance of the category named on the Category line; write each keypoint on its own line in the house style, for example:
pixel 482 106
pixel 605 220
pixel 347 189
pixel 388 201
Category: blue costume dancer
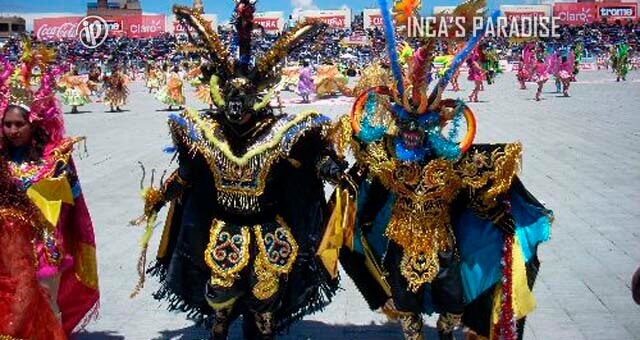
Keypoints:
pixel 441 225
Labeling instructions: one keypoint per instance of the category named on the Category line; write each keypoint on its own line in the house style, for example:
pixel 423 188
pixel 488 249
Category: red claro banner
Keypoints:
pixel 575 13
pixel 146 26
pixel 64 28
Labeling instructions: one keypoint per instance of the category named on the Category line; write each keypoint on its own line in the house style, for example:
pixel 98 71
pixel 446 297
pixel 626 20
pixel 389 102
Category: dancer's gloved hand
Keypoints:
pixel 331 168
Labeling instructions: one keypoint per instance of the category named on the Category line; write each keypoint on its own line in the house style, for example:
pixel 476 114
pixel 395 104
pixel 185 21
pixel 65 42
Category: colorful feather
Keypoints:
pixel 391 46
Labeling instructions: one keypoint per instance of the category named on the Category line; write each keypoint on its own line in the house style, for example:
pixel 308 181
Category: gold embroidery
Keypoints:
pixel 268 282
pixel 492 174
pixel 419 269
pixel 86 266
pixel 420 220
pixel 277 252
pixel 227 254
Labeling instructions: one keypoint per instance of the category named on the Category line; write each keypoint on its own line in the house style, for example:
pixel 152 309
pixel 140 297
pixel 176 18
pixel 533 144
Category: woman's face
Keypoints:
pixel 16 128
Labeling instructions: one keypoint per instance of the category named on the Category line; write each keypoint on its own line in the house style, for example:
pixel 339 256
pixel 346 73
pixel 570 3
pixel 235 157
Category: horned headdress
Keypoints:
pixel 229 74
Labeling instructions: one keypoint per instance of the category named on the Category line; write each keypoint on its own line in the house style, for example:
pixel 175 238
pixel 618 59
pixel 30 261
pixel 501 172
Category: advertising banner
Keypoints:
pixel 517 12
pixel 272 22
pixel 575 13
pixel 372 18
pixel 178 29
pixel 63 28
pixel 612 11
pixel 60 28
pixel 340 18
pixel 145 26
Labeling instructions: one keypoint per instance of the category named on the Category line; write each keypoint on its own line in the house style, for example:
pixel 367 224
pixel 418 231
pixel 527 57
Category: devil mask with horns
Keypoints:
pixel 419 125
pixel 240 88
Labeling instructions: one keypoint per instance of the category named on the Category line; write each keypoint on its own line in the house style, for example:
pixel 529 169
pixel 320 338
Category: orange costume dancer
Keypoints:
pixel 117 91
pixel 24 304
pixel 76 90
pixel 203 90
pixel 172 93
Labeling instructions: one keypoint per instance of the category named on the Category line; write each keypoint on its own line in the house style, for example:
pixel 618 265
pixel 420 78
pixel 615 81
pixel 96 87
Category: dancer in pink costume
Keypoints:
pixel 40 161
pixel 476 74
pixel 540 75
pixel 565 71
pixel 526 64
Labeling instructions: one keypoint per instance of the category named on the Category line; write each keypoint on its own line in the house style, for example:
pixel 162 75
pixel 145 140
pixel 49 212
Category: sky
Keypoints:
pixel 222 8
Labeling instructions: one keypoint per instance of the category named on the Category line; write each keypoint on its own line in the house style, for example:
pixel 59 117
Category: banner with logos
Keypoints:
pixel 57 28
pixel 340 18
pixel 372 18
pixel 145 26
pixel 516 12
pixel 575 13
pixel 612 11
pixel 65 28
pixel 271 22
pixel 356 39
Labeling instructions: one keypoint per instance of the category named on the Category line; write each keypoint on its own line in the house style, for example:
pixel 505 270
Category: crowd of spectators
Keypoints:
pixel 330 48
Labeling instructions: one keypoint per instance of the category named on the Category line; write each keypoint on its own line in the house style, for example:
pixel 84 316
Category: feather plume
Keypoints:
pixel 391 46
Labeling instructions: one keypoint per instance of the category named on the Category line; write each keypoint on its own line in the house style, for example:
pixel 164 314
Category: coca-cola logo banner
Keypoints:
pixel 64 28
pixel 60 28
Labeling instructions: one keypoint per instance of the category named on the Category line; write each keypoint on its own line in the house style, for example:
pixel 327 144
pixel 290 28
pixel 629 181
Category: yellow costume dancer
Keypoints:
pixel 172 93
pixel 76 91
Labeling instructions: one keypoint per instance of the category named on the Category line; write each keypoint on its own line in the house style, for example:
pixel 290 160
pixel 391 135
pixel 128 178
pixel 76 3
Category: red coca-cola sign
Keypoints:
pixel 60 28
pixel 575 13
pixel 335 21
pixel 269 24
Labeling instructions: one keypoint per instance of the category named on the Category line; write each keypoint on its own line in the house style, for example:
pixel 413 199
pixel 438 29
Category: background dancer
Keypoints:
pixel 476 75
pixel 116 92
pixel 540 75
pixel 306 85
pixel 76 91
pixel 172 93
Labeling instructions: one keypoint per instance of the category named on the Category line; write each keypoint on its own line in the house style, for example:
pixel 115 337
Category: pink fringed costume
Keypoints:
pixel 66 255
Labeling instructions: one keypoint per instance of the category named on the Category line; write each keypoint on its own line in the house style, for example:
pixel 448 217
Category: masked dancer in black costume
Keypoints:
pixel 247 201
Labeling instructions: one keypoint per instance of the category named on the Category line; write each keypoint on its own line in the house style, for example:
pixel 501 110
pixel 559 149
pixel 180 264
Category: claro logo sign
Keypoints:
pixel 617 11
